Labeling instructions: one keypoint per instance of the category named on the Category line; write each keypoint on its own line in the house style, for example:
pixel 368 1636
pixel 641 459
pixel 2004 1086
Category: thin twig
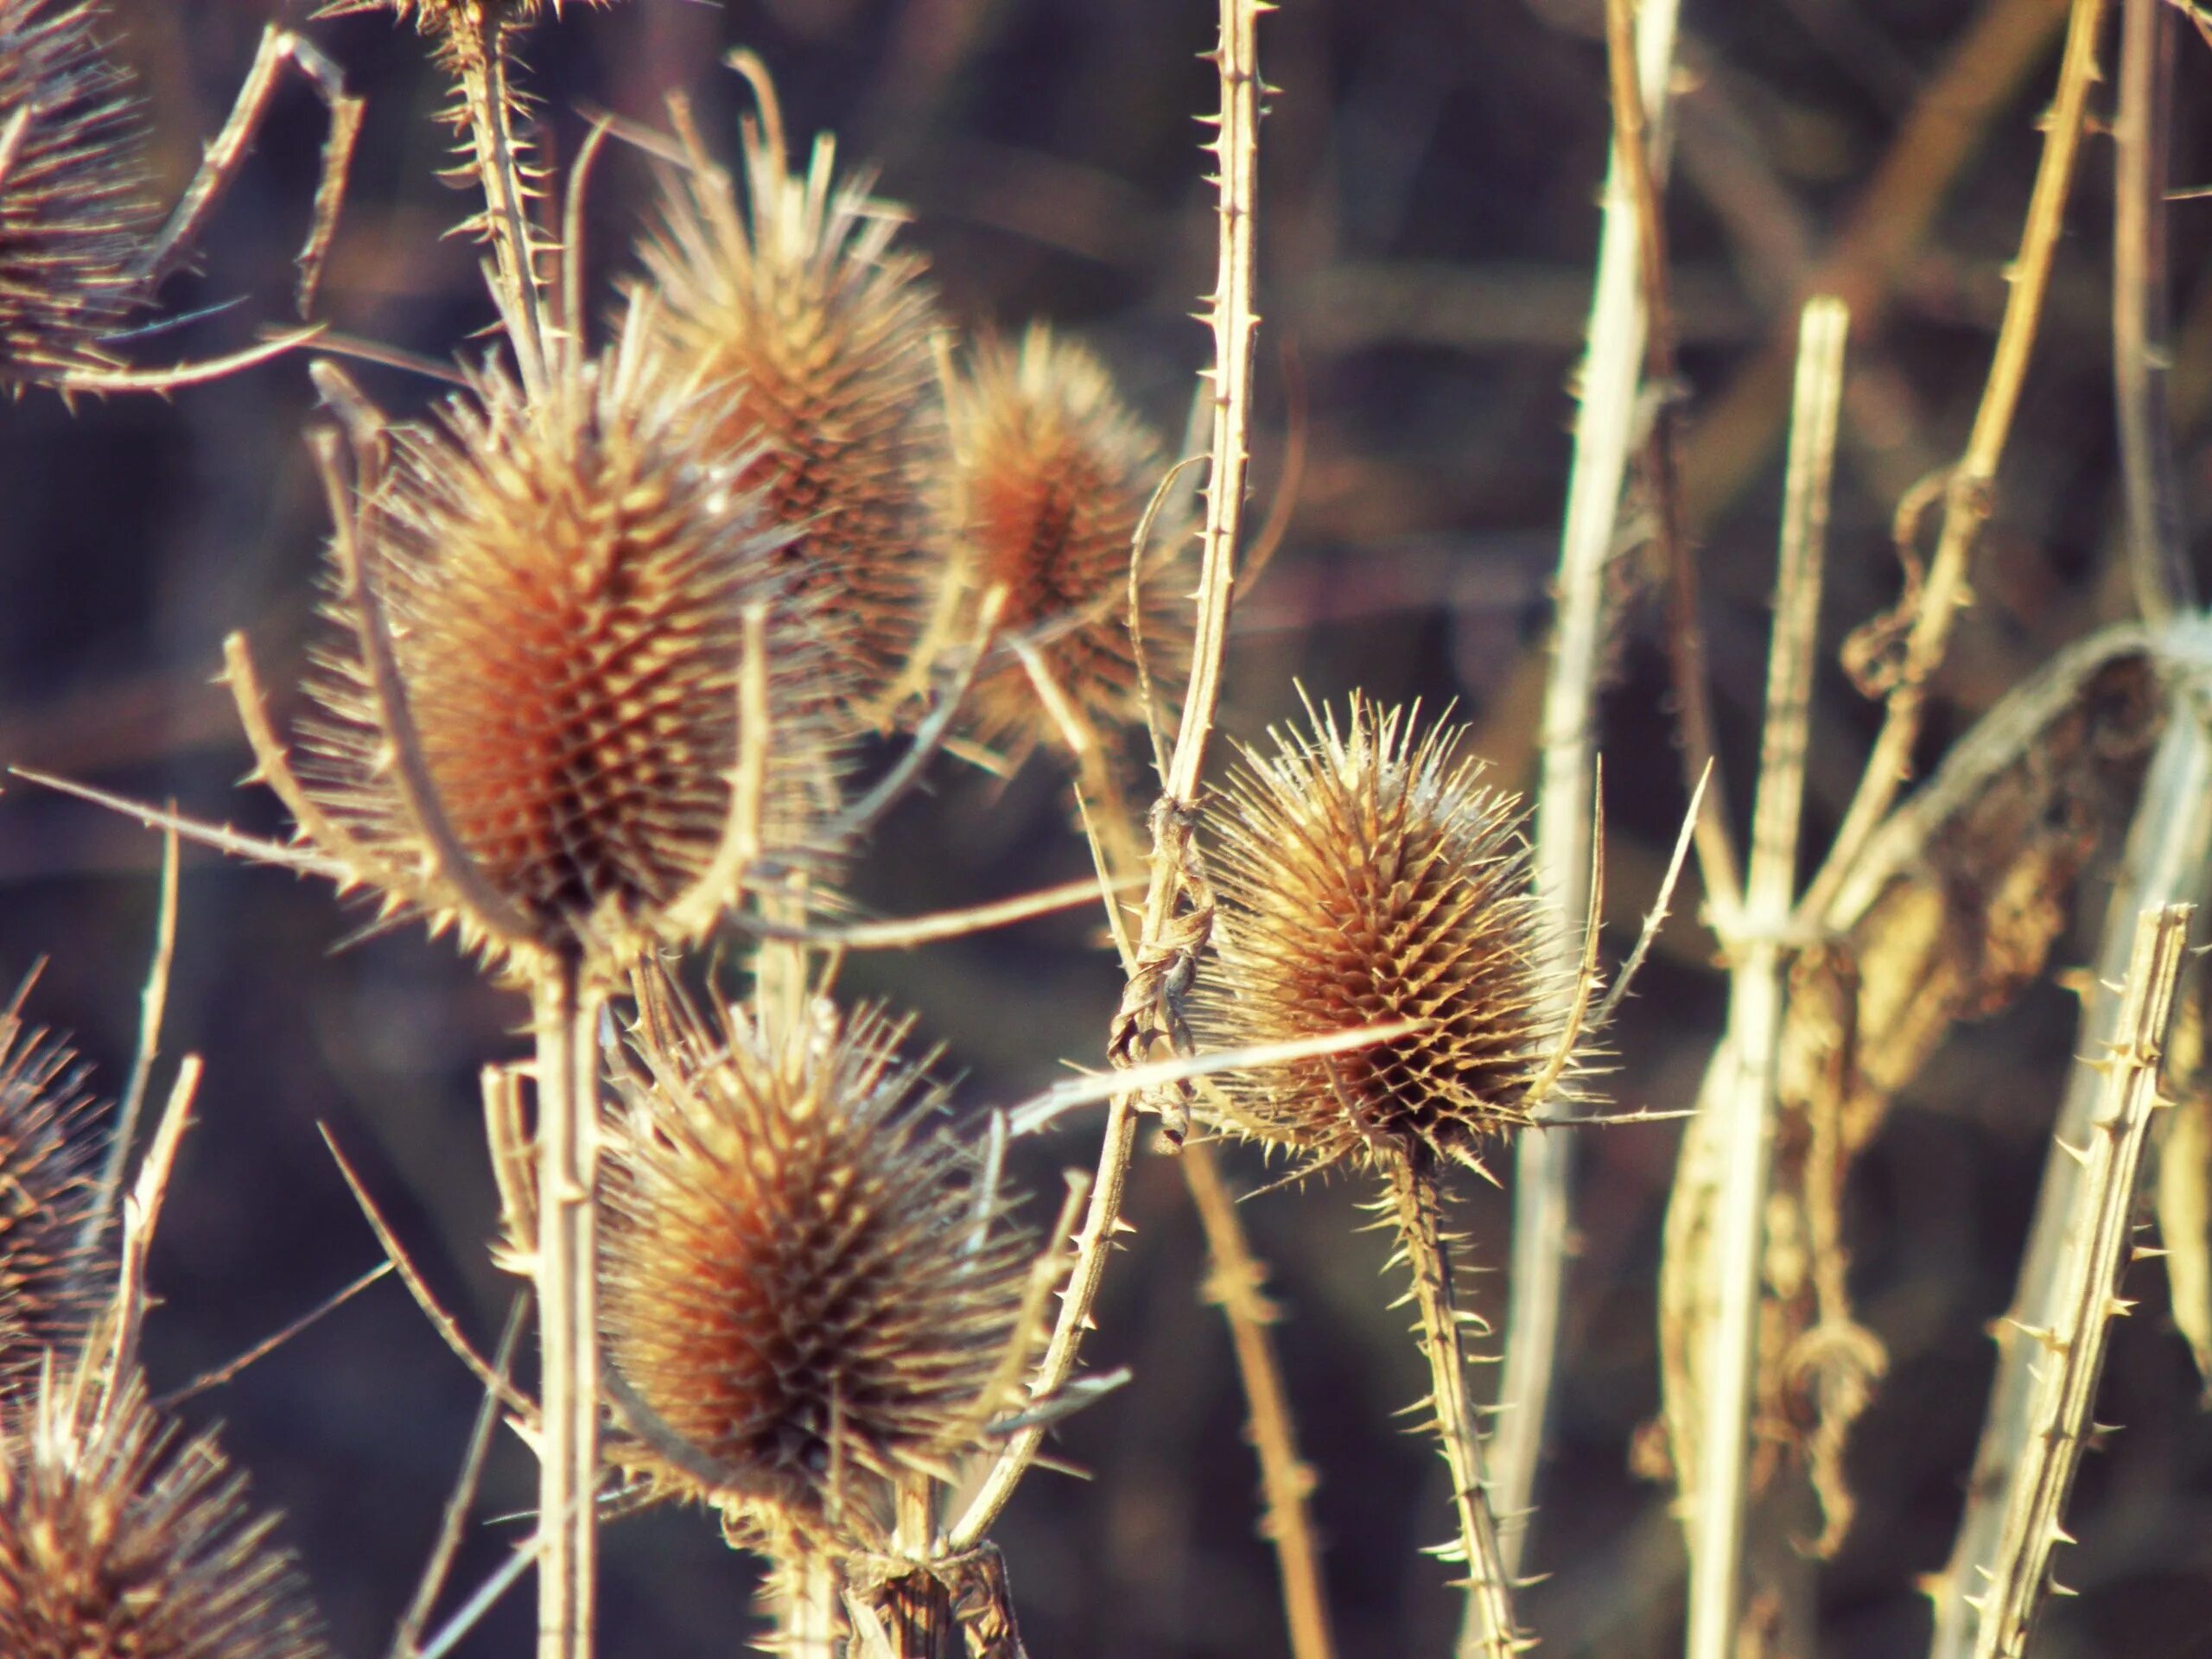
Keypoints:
pixel 1605 423
pixel 1720 1496
pixel 152 1004
pixel 141 1214
pixel 2073 1345
pixel 269 1344
pixel 1968 496
pixel 904 932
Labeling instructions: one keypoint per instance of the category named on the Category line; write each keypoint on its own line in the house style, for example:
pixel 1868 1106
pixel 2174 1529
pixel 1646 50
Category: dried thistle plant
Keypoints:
pixel 802 302
pixel 47 1202
pixel 115 1540
pixel 1056 474
pixel 74 195
pixel 804 1281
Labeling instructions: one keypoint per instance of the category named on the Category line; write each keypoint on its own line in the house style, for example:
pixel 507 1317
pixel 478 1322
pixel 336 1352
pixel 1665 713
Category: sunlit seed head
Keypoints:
pixel 566 576
pixel 1364 875
pixel 117 1542
pixel 431 15
pixel 1055 476
pixel 49 1288
pixel 794 1276
pixel 801 299
pixel 74 217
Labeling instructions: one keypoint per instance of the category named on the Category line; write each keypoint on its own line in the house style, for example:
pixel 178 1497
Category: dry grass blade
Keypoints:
pixel 269 1344
pixel 2073 1344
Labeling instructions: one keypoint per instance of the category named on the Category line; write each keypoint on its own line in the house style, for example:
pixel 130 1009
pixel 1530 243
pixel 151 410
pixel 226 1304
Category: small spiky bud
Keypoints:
pixel 797 1277
pixel 565 575
pixel 1055 475
pixel 438 16
pixel 1365 876
pixel 47 1294
pixel 73 213
pixel 802 302
pixel 117 1543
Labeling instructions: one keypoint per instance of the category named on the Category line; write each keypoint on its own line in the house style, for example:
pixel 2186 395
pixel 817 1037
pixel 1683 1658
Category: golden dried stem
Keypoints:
pixel 153 1003
pixel 2073 1345
pixel 1719 1498
pixel 478 45
pixel 1490 1631
pixel 1967 494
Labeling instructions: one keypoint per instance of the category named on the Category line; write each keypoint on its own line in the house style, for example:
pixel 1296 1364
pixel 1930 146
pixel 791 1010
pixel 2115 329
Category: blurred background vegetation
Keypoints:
pixel 1429 175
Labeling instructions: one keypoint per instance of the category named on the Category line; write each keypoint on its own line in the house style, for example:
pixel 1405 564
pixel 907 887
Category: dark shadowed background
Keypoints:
pixel 1428 227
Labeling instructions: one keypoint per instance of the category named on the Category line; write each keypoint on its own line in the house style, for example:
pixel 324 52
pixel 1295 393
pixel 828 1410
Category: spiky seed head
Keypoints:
pixel 1055 476
pixel 794 1278
pixel 802 301
pixel 1364 875
pixel 438 16
pixel 566 575
pixel 49 1296
pixel 74 192
pixel 116 1542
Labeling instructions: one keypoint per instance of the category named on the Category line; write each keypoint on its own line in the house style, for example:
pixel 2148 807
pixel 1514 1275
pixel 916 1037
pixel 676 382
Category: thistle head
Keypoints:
pixel 116 1541
pixel 74 192
pixel 48 1246
pixel 798 1277
pixel 1364 876
pixel 800 299
pixel 545 726
pixel 1055 476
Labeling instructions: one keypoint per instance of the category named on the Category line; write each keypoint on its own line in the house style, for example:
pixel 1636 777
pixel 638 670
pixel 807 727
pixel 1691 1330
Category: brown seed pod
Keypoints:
pixel 802 302
pixel 48 1296
pixel 74 211
pixel 795 1273
pixel 1055 475
pixel 565 577
pixel 114 1541
pixel 1364 876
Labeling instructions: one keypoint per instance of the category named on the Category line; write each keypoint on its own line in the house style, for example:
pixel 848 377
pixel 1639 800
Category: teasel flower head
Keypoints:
pixel 436 15
pixel 1364 875
pixel 802 301
pixel 562 610
pixel 799 1276
pixel 49 1288
pixel 115 1540
pixel 74 212
pixel 1055 476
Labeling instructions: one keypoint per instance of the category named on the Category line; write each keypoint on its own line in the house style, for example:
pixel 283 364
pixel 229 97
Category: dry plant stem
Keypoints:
pixel 1716 854
pixel 1234 325
pixel 567 1022
pixel 2168 861
pixel 1491 1629
pixel 1719 1495
pixel 2072 1345
pixel 1967 495
pixel 153 1004
pixel 1604 427
pixel 808 1622
pixel 479 42
pixel 2141 324
pixel 1286 1481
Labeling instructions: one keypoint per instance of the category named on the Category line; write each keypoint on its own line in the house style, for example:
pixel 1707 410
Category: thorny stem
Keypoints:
pixel 1967 496
pixel 1234 324
pixel 1418 1209
pixel 479 44
pixel 567 1021
pixel 1544 1163
pixel 2157 556
pixel 1286 1481
pixel 2073 1345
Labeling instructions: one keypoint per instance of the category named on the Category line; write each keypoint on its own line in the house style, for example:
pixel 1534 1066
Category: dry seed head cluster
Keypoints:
pixel 116 1542
pixel 48 1295
pixel 566 575
pixel 73 198
pixel 1364 875
pixel 830 333
pixel 793 1275
pixel 1055 475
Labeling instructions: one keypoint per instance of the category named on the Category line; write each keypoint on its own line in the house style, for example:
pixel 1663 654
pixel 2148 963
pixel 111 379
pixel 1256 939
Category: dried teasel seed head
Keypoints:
pixel 566 576
pixel 49 1293
pixel 797 1277
pixel 1055 476
pixel 801 300
pixel 431 15
pixel 1362 876
pixel 116 1542
pixel 74 192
